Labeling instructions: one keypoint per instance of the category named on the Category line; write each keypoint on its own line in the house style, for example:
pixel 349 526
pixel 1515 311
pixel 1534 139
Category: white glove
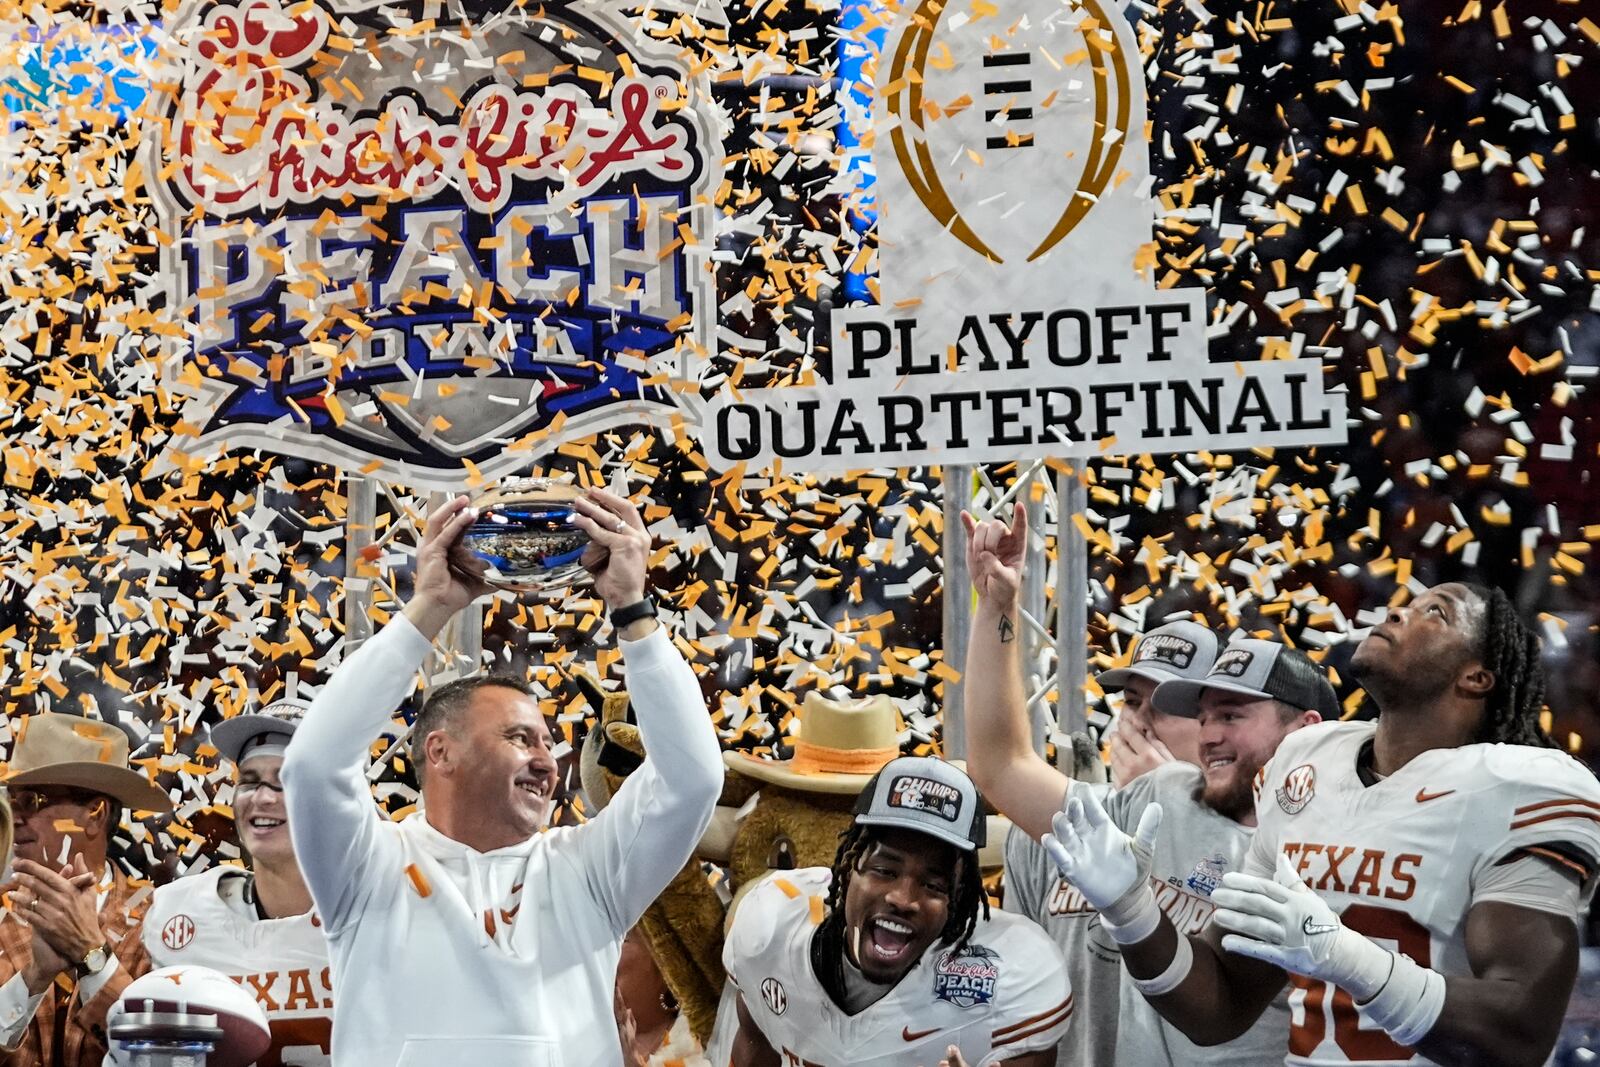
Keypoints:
pixel 1282 922
pixel 1110 869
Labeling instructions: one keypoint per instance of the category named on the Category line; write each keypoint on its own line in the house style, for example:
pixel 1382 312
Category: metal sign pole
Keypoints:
pixel 1034 582
pixel 957 483
pixel 459 650
pixel 1072 603
pixel 360 529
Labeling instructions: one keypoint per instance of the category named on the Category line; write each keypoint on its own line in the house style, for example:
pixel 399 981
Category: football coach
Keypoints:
pixel 469 934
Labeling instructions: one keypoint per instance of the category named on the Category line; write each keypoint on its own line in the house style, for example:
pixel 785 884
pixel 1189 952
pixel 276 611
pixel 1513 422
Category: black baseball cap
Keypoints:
pixel 1266 670
pixel 1176 650
pixel 927 795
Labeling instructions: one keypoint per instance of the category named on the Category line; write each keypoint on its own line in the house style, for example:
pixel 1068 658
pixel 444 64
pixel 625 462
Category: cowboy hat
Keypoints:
pixel 88 754
pixel 840 746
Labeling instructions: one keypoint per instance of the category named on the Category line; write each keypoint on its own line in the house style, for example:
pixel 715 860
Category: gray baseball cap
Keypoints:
pixel 927 795
pixel 1252 667
pixel 271 727
pixel 1176 650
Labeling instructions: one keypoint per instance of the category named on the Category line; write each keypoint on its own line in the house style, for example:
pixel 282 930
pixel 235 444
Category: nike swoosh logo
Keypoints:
pixel 1313 928
pixel 907 1033
pixel 1423 796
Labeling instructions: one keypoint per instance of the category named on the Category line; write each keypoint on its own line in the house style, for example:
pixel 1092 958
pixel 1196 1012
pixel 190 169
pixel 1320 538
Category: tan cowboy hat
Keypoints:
pixel 54 749
pixel 841 745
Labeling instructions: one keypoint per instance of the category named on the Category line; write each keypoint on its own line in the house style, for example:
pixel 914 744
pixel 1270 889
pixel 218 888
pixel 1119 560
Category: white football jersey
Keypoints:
pixel 209 921
pixel 1399 859
pixel 1004 995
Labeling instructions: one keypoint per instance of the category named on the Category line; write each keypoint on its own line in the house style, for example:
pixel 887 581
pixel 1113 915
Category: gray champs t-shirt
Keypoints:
pixel 1113 1025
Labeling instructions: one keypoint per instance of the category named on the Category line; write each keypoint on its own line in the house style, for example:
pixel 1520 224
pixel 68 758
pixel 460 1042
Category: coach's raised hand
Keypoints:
pixel 1110 869
pixel 440 590
pixel 619 551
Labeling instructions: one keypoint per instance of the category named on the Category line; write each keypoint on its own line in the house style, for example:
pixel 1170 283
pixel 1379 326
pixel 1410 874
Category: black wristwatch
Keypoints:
pixel 643 609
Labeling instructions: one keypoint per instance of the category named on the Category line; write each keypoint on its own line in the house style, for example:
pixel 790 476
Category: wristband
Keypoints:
pixel 1173 976
pixel 1132 918
pixel 1409 1004
pixel 630 613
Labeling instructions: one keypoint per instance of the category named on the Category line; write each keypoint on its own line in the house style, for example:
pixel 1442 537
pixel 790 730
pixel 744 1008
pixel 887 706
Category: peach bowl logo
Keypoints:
pixel 410 240
pixel 959 141
pixel 1299 786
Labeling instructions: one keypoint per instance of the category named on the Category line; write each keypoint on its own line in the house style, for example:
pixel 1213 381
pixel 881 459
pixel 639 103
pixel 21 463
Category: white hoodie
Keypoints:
pixel 444 955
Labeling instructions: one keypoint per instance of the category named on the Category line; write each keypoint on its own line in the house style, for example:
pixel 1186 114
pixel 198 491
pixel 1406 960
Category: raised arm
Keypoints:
pixel 636 845
pixel 1014 778
pixel 336 828
pixel 1211 995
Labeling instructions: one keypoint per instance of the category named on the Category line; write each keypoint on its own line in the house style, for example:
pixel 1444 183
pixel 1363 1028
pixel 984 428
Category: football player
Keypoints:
pixel 255 926
pixel 892 956
pixel 1241 712
pixel 1418 880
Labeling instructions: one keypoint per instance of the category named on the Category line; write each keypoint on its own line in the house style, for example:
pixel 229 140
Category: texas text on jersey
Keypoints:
pixel 1402 857
pixel 210 920
pixel 1004 995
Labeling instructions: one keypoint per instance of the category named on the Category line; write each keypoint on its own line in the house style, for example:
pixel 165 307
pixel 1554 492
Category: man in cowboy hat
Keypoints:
pixel 76 946
pixel 256 926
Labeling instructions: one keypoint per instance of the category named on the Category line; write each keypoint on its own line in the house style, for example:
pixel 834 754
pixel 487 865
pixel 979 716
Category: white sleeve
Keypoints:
pixel 91 984
pixel 1028 874
pixel 1039 1009
pixel 339 836
pixel 633 848
pixel 1530 881
pixel 16 1011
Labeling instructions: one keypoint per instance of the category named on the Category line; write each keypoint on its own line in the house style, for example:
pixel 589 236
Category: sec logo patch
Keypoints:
pixel 774 996
pixel 178 932
pixel 1299 786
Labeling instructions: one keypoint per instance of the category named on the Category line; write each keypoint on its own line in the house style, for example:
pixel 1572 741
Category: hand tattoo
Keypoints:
pixel 1008 632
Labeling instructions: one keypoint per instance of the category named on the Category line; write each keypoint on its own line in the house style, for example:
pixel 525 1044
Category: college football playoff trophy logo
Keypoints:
pixel 1012 131
pixel 1019 314
pixel 417 239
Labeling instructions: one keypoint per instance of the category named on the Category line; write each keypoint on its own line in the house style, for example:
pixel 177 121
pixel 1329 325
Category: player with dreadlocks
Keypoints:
pixel 1418 879
pixel 892 956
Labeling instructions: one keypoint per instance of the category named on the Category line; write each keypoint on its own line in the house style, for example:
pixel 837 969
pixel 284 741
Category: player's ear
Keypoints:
pixel 1476 680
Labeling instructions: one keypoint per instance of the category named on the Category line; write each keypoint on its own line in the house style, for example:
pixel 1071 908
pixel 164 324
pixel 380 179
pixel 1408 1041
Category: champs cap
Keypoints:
pixel 1265 670
pixel 927 795
pixel 1176 650
pixel 262 733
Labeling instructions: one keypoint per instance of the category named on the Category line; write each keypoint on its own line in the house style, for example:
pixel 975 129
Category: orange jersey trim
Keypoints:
pixel 1057 1015
pixel 1555 857
pixel 1537 819
pixel 1559 802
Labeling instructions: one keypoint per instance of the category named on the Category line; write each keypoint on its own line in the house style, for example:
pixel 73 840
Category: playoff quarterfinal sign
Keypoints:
pixel 405 236
pixel 1013 189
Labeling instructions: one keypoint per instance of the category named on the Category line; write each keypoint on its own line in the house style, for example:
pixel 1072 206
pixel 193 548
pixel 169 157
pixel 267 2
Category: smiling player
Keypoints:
pixel 1256 694
pixel 892 957
pixel 1418 880
pixel 255 926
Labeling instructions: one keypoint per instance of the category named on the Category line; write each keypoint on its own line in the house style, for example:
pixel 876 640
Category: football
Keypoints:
pixel 170 1007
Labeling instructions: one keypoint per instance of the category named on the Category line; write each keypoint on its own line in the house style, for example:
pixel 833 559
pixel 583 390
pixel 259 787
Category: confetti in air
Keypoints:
pixel 1405 194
